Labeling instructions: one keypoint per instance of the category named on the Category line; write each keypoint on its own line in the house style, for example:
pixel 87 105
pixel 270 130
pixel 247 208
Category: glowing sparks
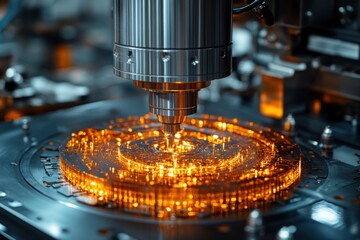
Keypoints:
pixel 216 166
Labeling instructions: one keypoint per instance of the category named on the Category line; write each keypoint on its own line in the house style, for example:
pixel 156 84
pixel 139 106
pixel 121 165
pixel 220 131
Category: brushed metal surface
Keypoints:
pixel 172 41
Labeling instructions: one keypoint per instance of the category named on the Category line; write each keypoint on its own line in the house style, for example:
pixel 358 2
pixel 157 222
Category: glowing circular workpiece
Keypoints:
pixel 216 166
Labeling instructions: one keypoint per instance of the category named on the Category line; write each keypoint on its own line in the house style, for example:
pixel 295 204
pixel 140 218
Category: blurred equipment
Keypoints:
pixel 8 11
pixel 314 53
pixel 273 151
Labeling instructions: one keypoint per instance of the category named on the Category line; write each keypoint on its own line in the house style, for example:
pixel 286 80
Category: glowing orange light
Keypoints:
pixel 224 167
pixel 272 97
pixel 316 107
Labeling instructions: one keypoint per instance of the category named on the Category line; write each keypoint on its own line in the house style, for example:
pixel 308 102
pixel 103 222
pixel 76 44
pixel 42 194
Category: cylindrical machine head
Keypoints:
pixel 163 44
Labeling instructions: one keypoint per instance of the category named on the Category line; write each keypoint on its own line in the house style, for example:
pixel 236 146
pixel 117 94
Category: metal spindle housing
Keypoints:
pixel 164 44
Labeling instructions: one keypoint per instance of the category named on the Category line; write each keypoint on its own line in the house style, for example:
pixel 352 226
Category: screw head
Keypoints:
pixel 165 57
pixel 130 60
pixel 195 61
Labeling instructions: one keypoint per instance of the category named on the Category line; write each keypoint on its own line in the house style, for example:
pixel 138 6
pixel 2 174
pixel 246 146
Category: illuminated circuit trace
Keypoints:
pixel 216 166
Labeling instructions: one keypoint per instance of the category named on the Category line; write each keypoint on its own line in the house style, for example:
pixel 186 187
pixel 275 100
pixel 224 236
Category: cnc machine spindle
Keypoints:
pixel 172 49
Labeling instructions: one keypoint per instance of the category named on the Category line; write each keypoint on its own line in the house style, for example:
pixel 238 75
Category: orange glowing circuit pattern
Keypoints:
pixel 216 166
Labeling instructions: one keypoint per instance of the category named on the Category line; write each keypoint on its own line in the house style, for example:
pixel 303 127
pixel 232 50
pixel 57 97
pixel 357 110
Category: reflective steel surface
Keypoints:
pixel 172 41
pixel 167 41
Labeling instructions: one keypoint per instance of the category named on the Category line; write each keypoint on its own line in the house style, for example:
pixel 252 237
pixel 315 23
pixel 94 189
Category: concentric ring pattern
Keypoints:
pixel 217 166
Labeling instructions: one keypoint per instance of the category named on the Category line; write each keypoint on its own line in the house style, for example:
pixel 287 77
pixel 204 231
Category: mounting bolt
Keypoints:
pixel 25 125
pixel 327 139
pixel 254 223
pixel 289 125
pixel 286 233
